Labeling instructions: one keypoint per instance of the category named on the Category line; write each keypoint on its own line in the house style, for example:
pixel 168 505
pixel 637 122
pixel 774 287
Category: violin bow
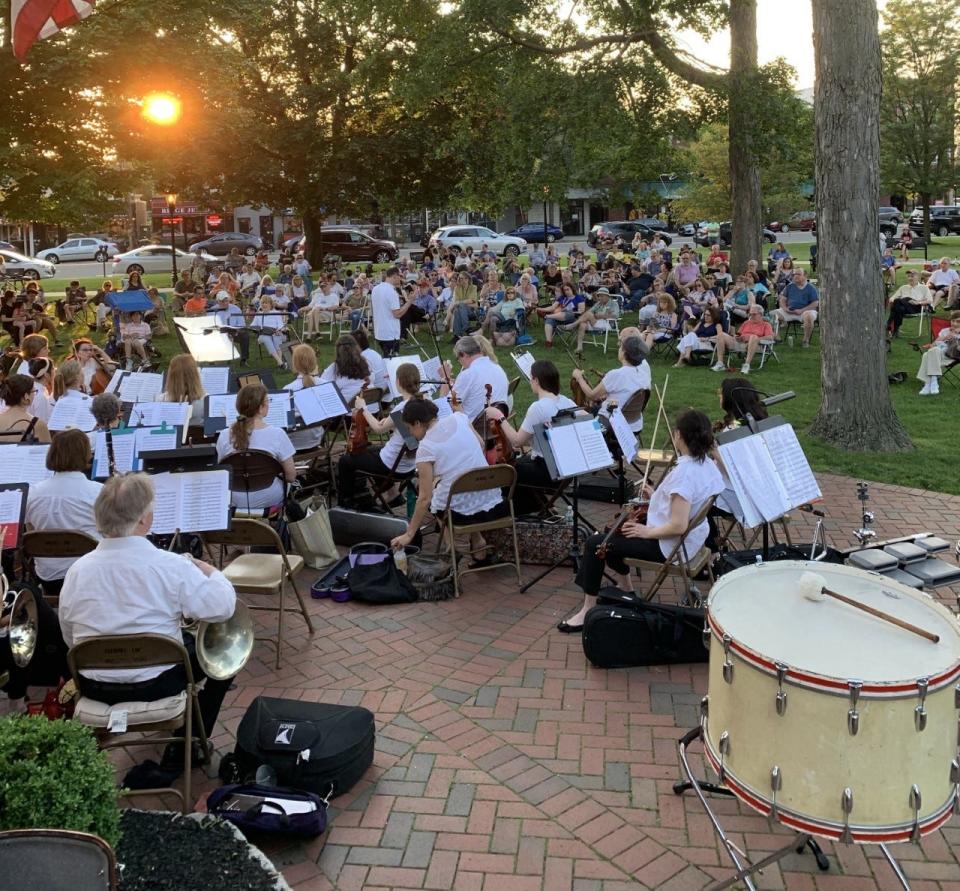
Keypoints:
pixel 661 395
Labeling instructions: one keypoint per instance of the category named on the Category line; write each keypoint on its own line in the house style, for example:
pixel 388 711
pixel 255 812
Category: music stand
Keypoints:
pixel 13 509
pixel 193 507
pixel 597 458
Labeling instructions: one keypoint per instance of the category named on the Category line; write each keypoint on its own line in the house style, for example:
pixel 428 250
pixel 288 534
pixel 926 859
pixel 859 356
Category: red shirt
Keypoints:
pixel 750 328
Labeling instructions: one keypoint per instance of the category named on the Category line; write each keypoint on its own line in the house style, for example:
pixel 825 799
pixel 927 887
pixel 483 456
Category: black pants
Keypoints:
pixel 494 513
pixel 242 340
pixel 51 588
pixel 169 683
pixel 590 575
pixel 388 348
pixel 532 475
pixel 368 461
pixel 411 317
pixel 899 309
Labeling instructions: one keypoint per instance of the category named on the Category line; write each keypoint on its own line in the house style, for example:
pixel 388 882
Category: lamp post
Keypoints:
pixel 546 195
pixel 171 206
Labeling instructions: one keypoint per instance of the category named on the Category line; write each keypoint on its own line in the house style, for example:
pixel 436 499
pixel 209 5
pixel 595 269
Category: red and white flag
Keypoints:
pixel 33 20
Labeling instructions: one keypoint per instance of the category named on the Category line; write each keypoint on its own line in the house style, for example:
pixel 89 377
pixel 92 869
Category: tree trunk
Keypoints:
pixel 312 229
pixel 855 411
pixel 746 220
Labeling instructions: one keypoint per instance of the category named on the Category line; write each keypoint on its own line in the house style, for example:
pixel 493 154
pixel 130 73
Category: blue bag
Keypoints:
pixel 250 806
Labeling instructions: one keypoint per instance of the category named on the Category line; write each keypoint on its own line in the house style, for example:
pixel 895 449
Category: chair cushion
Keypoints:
pixel 260 570
pixel 97 714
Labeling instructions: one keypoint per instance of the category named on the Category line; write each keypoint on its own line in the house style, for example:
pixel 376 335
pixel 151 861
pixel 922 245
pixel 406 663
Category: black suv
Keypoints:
pixel 625 229
pixel 944 219
pixel 221 244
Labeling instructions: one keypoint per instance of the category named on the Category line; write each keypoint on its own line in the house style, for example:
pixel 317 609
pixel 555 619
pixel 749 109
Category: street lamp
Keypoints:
pixel 162 109
pixel 546 195
pixel 171 205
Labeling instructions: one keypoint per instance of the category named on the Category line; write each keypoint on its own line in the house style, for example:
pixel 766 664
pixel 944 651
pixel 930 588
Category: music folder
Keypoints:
pixel 13 509
pixel 572 446
pixel 319 403
pixel 191 501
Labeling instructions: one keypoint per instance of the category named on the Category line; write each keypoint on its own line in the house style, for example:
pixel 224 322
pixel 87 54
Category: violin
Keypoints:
pixel 497 448
pixel 634 511
pixel 359 438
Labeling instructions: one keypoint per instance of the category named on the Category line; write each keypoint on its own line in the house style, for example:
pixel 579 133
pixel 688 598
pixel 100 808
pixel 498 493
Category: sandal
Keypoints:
pixel 482 562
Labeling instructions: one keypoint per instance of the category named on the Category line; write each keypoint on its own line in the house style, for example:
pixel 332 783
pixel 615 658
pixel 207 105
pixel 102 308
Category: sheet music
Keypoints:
pixel 317 403
pixel 155 414
pixel 524 362
pixel 215 379
pixel 273 321
pixel 156 439
pixel 753 476
pixel 579 447
pixel 11 515
pixel 626 438
pixel 443 405
pixel 191 502
pixel 214 346
pixel 140 386
pixel 394 362
pixel 114 381
pixel 431 370
pixel 794 471
pixel 225 406
pixel 24 463
pixel 221 405
pixel 72 413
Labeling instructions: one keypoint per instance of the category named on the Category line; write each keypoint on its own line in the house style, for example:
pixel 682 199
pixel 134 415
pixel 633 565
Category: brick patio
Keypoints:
pixel 505 761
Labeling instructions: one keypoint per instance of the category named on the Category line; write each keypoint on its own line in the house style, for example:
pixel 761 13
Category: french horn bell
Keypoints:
pixel 223 648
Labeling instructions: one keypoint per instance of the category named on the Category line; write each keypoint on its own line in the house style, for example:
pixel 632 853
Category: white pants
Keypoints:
pixel 931 365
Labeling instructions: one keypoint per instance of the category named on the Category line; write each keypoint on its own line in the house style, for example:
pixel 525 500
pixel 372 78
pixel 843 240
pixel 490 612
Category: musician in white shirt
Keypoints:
pixel 621 383
pixel 349 370
pixel 304 361
pixel 229 315
pixel 387 308
pixel 127 586
pixel 478 371
pixel 64 501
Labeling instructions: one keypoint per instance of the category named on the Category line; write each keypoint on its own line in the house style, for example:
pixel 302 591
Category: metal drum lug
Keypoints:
pixel 724 745
pixel 727 664
pixel 704 711
pixel 956 696
pixel 706 634
pixel 846 805
pixel 920 712
pixel 781 700
pixel 915 803
pixel 853 715
pixel 776 782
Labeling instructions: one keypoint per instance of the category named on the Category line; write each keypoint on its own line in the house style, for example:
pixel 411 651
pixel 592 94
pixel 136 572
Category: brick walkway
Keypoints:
pixel 505 761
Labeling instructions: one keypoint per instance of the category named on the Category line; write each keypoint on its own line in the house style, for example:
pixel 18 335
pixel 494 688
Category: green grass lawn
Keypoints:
pixel 931 466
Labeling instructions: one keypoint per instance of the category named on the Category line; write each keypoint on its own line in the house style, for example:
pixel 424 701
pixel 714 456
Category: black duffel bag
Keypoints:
pixel 311 746
pixel 731 560
pixel 632 633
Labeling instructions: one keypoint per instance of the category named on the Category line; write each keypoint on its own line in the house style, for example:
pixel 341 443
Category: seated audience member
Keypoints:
pixel 944 283
pixel 889 267
pixel 448 448
pixel 907 300
pixel 531 468
pixel 393 457
pixel 946 346
pixel 604 310
pixel 509 312
pixel 799 303
pixel 197 304
pixel 423 305
pixel 565 310
pixel 777 254
pixel 703 336
pixel 251 432
pixel 17 422
pixel 619 384
pixel 747 338
pixel 664 322
pixel 740 299
pixel 128 586
pixel 681 493
pixel 783 275
pixel 64 502
pixel 324 307
pixel 463 305
pixel 272 325
pixel 135 333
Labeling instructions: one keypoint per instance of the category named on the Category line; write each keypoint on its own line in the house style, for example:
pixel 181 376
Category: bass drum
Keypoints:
pixel 832 721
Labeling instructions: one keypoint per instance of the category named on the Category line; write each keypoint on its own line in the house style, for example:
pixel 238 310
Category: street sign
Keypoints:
pixel 172 221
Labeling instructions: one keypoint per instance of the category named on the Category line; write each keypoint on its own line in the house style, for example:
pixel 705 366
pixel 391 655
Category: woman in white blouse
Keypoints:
pixel 251 432
pixel 448 448
pixel 304 361
pixel 349 370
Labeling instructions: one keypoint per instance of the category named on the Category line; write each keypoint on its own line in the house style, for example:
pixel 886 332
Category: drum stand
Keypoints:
pixel 745 868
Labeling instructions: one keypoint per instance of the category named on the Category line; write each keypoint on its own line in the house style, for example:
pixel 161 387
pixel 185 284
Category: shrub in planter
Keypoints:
pixel 53 776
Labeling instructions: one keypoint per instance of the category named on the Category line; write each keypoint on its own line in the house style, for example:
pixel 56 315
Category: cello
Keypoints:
pixel 359 439
pixel 496 444
pixel 101 377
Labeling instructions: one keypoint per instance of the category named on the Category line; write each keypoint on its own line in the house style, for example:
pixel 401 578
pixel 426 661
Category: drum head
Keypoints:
pixel 762 608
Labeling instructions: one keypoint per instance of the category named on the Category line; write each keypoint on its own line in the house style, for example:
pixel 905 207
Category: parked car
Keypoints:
pixel 802 220
pixel 155 258
pixel 462 237
pixel 222 243
pixel 533 232
pixel 625 229
pixel 295 245
pixel 6 246
pixel 27 267
pixel 349 243
pixel 690 229
pixel 726 235
pixel 890 215
pixel 80 249
pixel 651 223
pixel 944 219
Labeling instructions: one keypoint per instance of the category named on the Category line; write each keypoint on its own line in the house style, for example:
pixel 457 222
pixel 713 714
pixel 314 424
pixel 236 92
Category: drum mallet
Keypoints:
pixel 813 587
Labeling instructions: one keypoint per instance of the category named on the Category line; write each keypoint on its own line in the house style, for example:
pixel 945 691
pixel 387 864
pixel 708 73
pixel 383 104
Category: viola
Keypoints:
pixel 634 511
pixel 359 437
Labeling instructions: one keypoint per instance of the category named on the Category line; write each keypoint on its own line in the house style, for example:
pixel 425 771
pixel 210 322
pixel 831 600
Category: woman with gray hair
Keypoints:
pixel 620 384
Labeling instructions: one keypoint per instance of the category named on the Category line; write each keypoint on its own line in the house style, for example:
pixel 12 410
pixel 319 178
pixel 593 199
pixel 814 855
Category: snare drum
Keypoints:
pixel 832 721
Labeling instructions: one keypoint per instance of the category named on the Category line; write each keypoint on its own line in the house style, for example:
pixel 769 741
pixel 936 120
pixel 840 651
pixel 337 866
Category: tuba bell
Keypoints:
pixel 223 648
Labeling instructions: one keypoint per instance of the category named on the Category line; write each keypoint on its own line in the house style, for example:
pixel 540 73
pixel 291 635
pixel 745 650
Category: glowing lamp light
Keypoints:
pixel 161 109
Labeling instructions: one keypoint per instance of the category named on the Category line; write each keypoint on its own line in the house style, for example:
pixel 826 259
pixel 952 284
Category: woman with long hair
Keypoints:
pixel 393 456
pixel 183 384
pixel 17 422
pixel 349 369
pixel 463 304
pixel 738 398
pixel 68 380
pixel 304 361
pixel 96 365
pixel 42 371
pixel 250 432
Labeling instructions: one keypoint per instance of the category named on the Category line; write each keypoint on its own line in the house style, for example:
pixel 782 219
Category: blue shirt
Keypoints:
pixel 427 302
pixel 800 298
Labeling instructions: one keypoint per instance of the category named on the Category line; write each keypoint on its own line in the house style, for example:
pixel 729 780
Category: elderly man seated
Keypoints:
pixel 943 284
pixel 907 300
pixel 799 303
pixel 128 586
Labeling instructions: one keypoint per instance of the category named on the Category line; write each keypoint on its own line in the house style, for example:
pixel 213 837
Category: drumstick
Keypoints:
pixel 813 588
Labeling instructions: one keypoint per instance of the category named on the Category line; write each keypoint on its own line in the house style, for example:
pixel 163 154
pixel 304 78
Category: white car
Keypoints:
pixel 80 249
pixel 155 258
pixel 27 267
pixel 462 237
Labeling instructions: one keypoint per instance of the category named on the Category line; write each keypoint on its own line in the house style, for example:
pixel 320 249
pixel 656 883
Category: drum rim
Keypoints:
pixel 864 834
pixel 832 684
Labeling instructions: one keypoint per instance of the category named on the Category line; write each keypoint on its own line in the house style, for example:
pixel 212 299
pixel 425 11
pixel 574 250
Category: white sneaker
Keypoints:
pixel 934 386
pixel 745 368
pixel 925 389
pixel 719 367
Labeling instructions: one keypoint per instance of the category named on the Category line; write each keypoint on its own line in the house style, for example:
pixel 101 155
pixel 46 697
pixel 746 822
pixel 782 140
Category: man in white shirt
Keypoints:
pixel 248 280
pixel 907 300
pixel 127 586
pixel 229 315
pixel 387 308
pixel 478 371
pixel 944 282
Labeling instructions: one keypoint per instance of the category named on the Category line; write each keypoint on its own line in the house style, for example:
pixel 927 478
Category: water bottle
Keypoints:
pixel 759 559
pixel 411 501
pixel 400 559
pixel 568 515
